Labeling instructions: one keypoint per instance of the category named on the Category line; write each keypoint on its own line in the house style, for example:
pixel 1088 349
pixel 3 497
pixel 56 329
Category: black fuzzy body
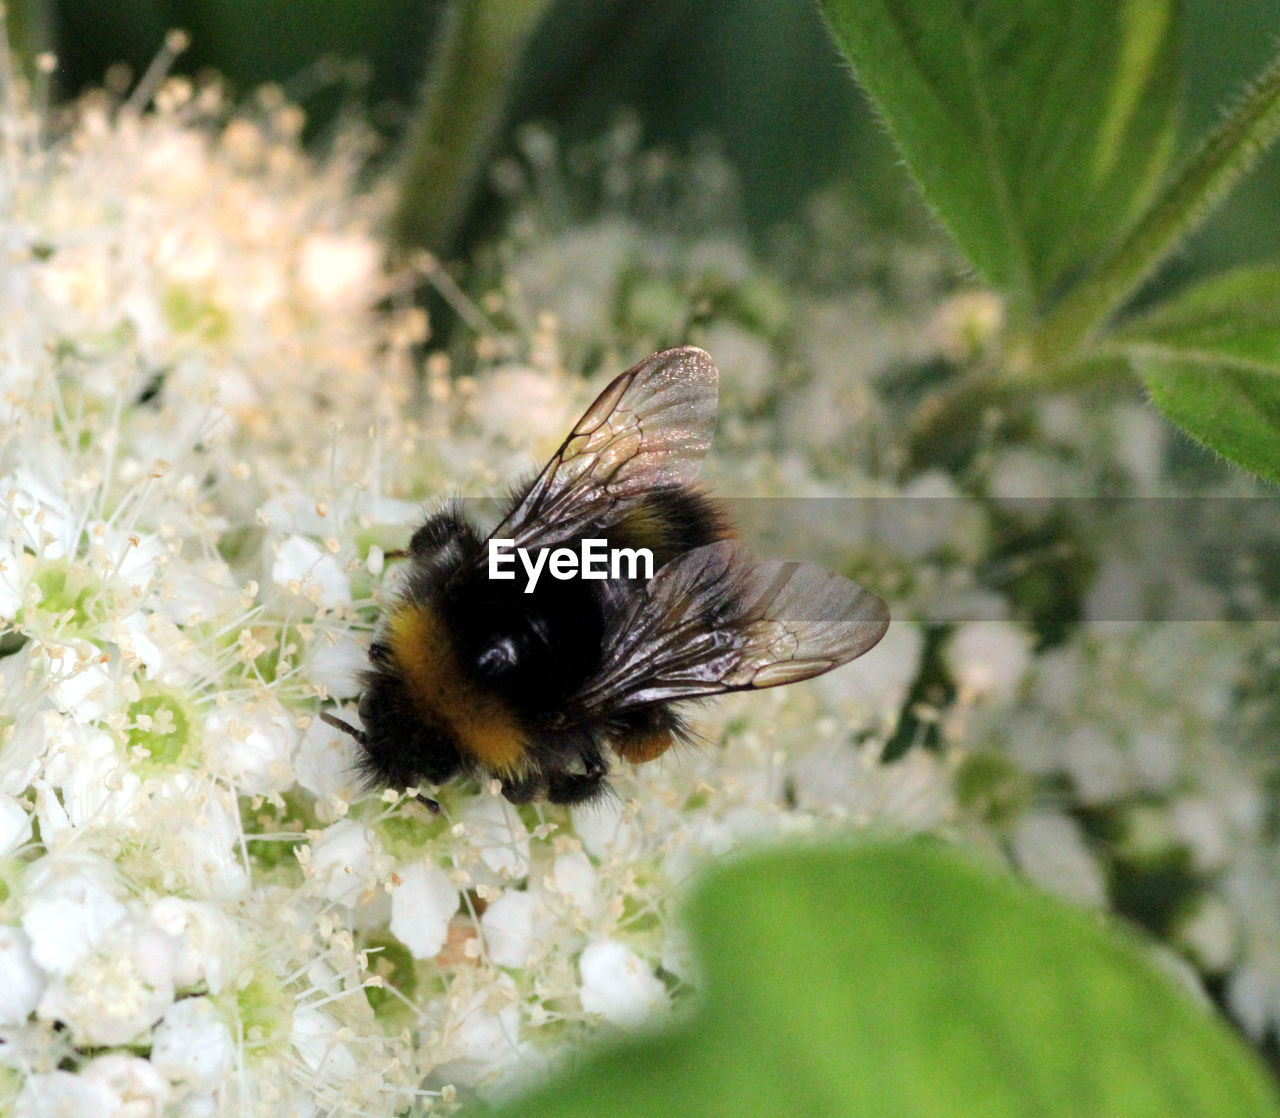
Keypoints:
pixel 528 654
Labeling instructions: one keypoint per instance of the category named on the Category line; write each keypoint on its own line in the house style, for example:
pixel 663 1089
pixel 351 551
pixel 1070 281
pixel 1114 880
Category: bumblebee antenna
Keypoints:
pixel 346 727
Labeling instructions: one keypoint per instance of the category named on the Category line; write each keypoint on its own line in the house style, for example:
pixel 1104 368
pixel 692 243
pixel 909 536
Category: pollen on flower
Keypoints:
pixel 250 647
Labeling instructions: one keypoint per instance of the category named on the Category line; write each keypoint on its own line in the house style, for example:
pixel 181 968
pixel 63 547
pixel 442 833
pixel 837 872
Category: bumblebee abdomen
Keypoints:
pixel 645 733
pixel 485 728
pixel 669 521
pixel 644 747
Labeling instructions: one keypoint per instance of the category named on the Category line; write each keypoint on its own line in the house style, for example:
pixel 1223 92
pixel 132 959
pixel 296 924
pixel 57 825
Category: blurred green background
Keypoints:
pixel 760 77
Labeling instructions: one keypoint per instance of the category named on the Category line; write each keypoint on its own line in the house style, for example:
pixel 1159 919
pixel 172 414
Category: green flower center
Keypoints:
pixel 160 724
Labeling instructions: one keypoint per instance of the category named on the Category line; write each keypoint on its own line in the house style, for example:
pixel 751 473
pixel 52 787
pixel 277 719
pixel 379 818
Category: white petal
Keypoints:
pixel 15 824
pixel 1051 850
pixel 141 1090
pixel 421 907
pixel 498 832
pixel 43 518
pixel 115 994
pixel 315 1036
pixel 14 566
pixel 140 635
pixel 508 926
pixel 576 878
pixel 520 399
pixel 206 942
pixel 1199 823
pixel 198 825
pixel 133 558
pixel 61 1094
pixel 342 859
pixel 81 684
pixel 338 269
pixel 302 563
pixel 326 762
pixel 192 1044
pixel 21 982
pixel 488 1038
pixel 197 590
pixel 1253 998
pixel 921 526
pixel 604 829
pixel 618 984
pixel 989 659
pixel 68 919
pixel 85 763
pixel 881 678
pixel 28 739
pixel 50 814
pixel 335 664
pixel 253 749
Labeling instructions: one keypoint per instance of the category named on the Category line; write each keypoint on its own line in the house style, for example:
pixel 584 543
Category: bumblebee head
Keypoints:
pixel 399 748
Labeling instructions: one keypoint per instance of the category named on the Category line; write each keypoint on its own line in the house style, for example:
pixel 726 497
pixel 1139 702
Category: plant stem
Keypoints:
pixel 461 109
pixel 957 408
pixel 1226 154
pixel 27 30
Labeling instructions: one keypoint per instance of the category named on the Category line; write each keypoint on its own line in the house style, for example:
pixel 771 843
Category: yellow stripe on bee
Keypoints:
pixel 484 726
pixel 643 525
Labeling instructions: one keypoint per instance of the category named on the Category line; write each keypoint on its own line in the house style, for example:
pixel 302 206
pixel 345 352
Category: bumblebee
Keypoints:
pixel 542 686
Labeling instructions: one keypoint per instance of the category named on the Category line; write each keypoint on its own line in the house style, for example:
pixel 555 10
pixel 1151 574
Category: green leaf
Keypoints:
pixel 1210 357
pixel 1231 410
pixel 1036 130
pixel 1204 179
pixel 905 980
pixel 1232 317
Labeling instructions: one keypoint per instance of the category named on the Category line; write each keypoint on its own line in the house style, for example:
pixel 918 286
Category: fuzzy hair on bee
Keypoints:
pixel 543 688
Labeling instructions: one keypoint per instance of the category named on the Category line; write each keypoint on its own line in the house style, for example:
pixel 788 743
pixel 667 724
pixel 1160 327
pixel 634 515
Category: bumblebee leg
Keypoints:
pixel 522 791
pixel 578 788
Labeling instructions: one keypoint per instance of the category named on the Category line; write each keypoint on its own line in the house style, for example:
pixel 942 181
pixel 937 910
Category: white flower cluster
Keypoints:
pixel 164 616
pixel 1137 759
pixel 207 449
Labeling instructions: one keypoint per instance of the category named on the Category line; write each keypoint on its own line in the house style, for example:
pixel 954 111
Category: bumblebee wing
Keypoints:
pixel 719 619
pixel 649 428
